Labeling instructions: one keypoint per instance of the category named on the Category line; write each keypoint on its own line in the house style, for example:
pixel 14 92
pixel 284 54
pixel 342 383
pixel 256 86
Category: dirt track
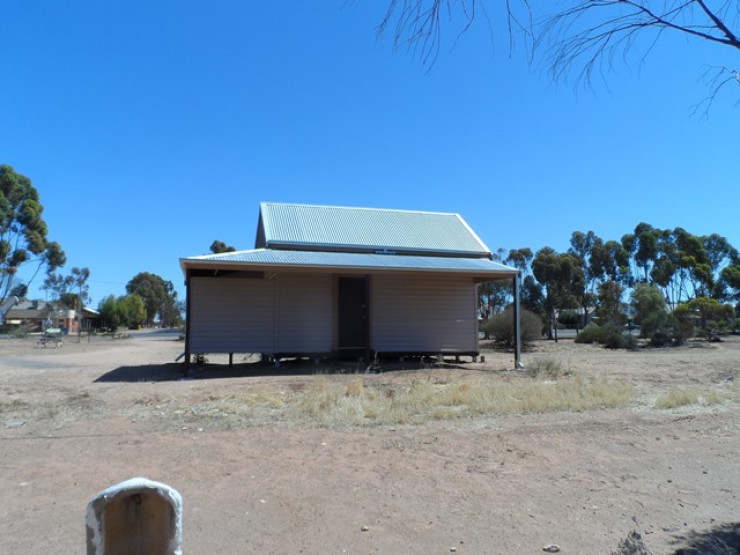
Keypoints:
pixel 76 420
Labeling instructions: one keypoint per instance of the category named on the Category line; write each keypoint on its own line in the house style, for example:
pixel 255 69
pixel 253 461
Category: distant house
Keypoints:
pixel 30 315
pixel 36 315
pixel 339 281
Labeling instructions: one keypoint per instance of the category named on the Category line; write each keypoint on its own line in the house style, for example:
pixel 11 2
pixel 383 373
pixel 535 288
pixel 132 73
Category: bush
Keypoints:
pixel 615 339
pixel 500 327
pixel 593 333
pixel 663 329
pixel 610 336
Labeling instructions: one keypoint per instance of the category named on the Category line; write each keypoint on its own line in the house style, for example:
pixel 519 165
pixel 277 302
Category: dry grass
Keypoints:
pixel 340 402
pixel 546 367
pixel 706 397
pixel 57 412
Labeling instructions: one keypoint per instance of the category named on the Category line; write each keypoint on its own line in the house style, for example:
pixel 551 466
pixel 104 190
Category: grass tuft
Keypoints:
pixel 685 396
pixel 546 367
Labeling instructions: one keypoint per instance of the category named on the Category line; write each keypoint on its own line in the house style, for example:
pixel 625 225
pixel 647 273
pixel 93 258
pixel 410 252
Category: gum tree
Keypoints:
pixel 23 231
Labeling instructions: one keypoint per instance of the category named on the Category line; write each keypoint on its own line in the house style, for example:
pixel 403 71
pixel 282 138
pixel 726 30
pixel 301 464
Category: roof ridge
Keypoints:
pixel 363 208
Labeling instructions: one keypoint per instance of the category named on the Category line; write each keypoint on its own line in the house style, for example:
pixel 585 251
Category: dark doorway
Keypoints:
pixel 352 315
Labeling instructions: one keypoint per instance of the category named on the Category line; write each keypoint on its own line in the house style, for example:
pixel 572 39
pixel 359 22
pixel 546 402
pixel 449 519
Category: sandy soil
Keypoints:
pixel 78 419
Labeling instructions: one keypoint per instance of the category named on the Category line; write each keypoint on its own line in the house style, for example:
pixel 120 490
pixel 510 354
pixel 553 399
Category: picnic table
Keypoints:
pixel 51 335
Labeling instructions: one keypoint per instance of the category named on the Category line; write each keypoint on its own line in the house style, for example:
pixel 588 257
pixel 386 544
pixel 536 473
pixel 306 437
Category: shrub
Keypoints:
pixel 615 339
pixel 593 333
pixel 611 336
pixel 500 327
pixel 663 329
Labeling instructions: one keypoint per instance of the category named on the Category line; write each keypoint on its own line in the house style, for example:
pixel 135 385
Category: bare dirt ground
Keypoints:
pixel 78 419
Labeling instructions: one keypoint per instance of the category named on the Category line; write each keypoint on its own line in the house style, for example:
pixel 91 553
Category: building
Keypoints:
pixel 36 316
pixel 342 282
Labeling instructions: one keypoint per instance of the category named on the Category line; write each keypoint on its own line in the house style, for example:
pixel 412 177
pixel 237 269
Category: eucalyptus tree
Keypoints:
pixel 722 256
pixel 159 296
pixel 495 295
pixel 730 277
pixel 69 290
pixel 562 277
pixel 681 266
pixel 23 231
pixel 582 247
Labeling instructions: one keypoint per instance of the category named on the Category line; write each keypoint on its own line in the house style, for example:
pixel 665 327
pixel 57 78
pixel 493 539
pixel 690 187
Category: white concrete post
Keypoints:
pixel 137 516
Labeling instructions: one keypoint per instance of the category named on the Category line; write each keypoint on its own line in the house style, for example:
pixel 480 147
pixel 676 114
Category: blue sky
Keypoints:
pixel 152 128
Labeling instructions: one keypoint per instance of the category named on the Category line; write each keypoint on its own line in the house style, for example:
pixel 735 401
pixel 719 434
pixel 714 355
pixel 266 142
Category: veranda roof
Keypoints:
pixel 275 259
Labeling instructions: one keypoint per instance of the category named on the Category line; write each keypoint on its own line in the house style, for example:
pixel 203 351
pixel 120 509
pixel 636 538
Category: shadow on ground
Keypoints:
pixel 175 371
pixel 723 539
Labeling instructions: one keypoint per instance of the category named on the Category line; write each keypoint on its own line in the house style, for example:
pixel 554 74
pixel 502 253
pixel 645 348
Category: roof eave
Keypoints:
pixel 211 264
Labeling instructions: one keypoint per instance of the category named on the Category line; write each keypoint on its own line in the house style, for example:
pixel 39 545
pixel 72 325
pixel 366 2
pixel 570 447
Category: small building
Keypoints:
pixel 36 315
pixel 31 315
pixel 342 282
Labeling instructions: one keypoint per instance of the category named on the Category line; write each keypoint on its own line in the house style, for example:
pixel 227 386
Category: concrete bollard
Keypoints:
pixel 137 516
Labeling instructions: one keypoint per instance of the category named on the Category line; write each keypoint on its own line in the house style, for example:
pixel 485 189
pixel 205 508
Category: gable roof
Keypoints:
pixel 303 227
pixel 26 309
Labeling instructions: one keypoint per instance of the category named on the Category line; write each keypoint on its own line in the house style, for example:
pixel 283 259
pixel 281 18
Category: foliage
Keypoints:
pixel 562 277
pixel 68 290
pixel 611 310
pixel 132 311
pixel 23 231
pixel 501 327
pixel 110 315
pixel 493 296
pixel 126 311
pixel 646 299
pixel 159 297
pixel 532 296
pixel 592 333
pixel 730 278
pixel 709 315
pixel 610 336
pixel 657 325
pixel 664 330
pixel 19 290
pixel 616 339
pixel 219 247
pixel 569 318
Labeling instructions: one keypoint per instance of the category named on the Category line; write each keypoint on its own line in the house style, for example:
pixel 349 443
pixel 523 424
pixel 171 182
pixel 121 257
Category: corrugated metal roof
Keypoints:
pixel 342 260
pixel 313 227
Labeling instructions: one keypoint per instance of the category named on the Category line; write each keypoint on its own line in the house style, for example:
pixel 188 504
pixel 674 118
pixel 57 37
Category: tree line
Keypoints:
pixel 675 282
pixel 149 298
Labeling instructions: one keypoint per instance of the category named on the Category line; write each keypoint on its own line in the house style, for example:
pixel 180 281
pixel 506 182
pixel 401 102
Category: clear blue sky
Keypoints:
pixel 152 128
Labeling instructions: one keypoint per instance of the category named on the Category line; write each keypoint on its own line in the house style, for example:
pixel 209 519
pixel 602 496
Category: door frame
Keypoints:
pixel 364 349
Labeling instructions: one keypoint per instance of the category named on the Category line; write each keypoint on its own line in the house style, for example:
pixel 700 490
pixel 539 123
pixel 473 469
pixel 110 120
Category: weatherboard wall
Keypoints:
pixel 427 314
pixel 289 313
pixel 295 313
pixel 304 313
pixel 231 315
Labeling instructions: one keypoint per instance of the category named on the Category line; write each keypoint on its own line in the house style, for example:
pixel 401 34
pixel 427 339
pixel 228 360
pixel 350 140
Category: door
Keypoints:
pixel 352 313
